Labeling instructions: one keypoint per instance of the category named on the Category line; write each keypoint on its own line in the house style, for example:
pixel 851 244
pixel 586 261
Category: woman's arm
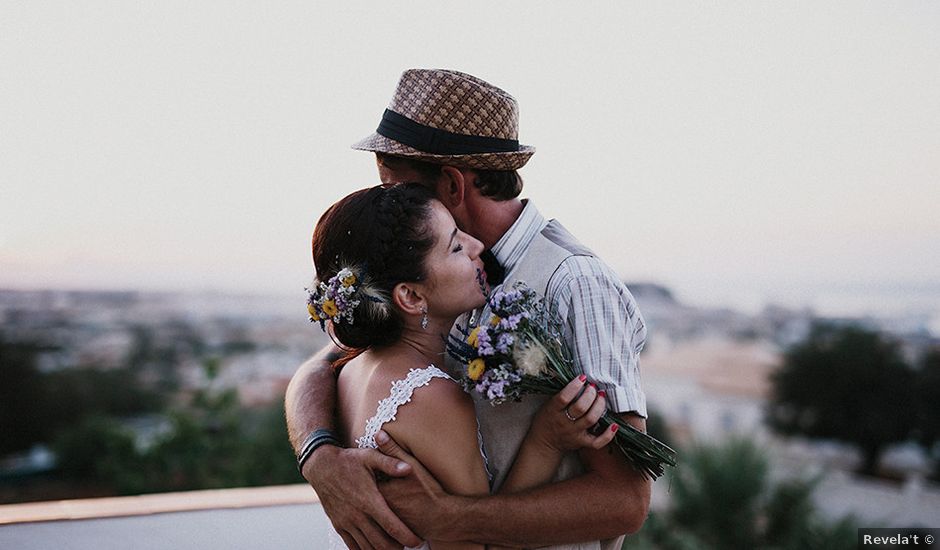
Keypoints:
pixel 439 428
pixel 535 466
pixel 553 433
pixel 610 499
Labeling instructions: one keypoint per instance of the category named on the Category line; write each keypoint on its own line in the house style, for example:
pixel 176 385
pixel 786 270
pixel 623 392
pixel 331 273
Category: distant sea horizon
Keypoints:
pixel 828 299
pixel 881 300
pixel 917 303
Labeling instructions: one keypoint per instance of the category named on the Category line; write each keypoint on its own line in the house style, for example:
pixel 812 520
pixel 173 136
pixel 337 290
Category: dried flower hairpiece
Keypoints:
pixel 337 298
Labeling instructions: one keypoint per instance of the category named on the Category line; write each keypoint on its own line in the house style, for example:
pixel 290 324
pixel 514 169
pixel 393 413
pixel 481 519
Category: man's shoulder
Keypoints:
pixel 563 258
pixel 582 271
pixel 556 233
pixel 577 260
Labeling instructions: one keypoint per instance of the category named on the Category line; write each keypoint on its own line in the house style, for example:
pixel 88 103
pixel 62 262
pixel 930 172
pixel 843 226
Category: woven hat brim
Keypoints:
pixel 482 161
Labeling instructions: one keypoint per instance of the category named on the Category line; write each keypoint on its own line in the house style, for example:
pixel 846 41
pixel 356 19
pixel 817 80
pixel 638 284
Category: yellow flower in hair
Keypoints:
pixel 329 307
pixel 472 339
pixel 495 320
pixel 349 280
pixel 313 311
pixel 475 369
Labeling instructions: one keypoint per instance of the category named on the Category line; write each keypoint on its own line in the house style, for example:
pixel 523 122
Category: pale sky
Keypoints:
pixel 733 151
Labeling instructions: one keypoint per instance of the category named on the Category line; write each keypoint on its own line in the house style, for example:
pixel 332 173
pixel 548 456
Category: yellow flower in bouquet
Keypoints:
pixel 521 351
pixel 472 339
pixel 475 369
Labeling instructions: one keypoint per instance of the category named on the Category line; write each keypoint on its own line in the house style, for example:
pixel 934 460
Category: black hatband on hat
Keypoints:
pixel 440 142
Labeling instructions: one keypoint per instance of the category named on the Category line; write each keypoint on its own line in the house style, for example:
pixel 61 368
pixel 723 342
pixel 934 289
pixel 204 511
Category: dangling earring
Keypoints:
pixel 424 317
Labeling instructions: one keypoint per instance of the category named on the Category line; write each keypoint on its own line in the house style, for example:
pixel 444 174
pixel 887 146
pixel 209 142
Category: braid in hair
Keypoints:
pixel 396 233
pixel 382 231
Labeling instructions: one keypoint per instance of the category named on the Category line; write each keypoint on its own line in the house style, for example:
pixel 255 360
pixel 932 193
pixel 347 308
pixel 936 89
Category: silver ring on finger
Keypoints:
pixel 568 414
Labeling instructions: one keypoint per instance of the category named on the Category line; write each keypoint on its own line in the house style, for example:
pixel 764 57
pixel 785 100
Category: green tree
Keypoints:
pixel 848 384
pixel 926 390
pixel 203 449
pixel 656 426
pixel 98 449
pixel 22 420
pixel 216 443
pixel 35 406
pixel 269 455
pixel 722 497
pixel 213 442
pixel 75 393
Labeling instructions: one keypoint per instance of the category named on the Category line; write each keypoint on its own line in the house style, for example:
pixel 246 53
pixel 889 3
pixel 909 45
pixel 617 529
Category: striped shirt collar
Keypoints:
pixel 510 248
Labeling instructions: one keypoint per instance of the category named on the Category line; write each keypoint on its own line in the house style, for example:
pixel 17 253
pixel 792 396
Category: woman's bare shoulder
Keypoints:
pixel 439 427
pixel 435 393
pixel 436 404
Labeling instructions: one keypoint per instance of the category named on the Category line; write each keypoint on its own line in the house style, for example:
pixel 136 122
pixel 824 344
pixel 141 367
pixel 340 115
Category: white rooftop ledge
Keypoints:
pixel 278 517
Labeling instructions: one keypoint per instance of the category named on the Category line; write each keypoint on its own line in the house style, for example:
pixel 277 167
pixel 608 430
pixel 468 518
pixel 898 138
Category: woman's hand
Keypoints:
pixel 564 421
pixel 562 424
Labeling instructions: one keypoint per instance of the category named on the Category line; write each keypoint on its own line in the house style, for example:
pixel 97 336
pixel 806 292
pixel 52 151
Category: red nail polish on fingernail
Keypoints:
pixel 582 378
pixel 602 393
pixel 592 385
pixel 614 427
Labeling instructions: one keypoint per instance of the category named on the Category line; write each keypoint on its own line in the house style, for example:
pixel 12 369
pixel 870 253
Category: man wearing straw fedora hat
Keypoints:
pixel 459 135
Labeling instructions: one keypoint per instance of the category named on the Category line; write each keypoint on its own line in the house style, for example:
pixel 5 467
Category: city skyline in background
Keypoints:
pixel 740 156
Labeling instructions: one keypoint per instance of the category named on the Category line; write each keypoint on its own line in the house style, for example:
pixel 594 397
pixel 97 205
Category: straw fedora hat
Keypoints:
pixel 449 117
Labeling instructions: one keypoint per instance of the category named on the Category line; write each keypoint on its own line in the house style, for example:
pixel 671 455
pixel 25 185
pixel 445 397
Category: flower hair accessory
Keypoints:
pixel 337 298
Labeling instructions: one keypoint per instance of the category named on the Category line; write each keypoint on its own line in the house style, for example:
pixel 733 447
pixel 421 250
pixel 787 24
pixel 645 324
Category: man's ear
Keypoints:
pixel 409 298
pixel 451 187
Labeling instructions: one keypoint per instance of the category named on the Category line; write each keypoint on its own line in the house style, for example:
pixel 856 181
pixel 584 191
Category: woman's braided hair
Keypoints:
pixel 384 233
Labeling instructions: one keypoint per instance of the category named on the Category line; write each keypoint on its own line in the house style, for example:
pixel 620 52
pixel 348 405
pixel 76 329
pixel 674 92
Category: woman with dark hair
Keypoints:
pixel 394 273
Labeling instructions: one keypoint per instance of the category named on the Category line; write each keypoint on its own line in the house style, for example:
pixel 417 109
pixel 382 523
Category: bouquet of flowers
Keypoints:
pixel 519 350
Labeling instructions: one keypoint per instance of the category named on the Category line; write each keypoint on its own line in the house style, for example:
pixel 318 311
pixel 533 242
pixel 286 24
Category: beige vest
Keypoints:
pixel 503 427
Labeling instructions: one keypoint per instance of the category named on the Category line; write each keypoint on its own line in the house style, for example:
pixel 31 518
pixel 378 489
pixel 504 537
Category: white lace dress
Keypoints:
pixel 387 409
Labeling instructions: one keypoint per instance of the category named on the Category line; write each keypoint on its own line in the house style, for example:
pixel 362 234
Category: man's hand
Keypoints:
pixel 344 479
pixel 418 499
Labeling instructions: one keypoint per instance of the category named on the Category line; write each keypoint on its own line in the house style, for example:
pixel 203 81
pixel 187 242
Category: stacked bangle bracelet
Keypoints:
pixel 317 438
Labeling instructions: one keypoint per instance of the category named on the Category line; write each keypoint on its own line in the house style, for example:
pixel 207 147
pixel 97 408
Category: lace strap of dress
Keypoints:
pixel 400 394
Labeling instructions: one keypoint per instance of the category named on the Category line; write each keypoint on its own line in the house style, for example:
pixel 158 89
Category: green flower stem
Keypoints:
pixel 644 452
pixel 648 455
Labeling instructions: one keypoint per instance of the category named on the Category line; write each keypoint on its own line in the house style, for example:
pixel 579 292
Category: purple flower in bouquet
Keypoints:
pixel 519 351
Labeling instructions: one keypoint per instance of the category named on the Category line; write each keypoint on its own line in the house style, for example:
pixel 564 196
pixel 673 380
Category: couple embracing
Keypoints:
pixel 398 453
